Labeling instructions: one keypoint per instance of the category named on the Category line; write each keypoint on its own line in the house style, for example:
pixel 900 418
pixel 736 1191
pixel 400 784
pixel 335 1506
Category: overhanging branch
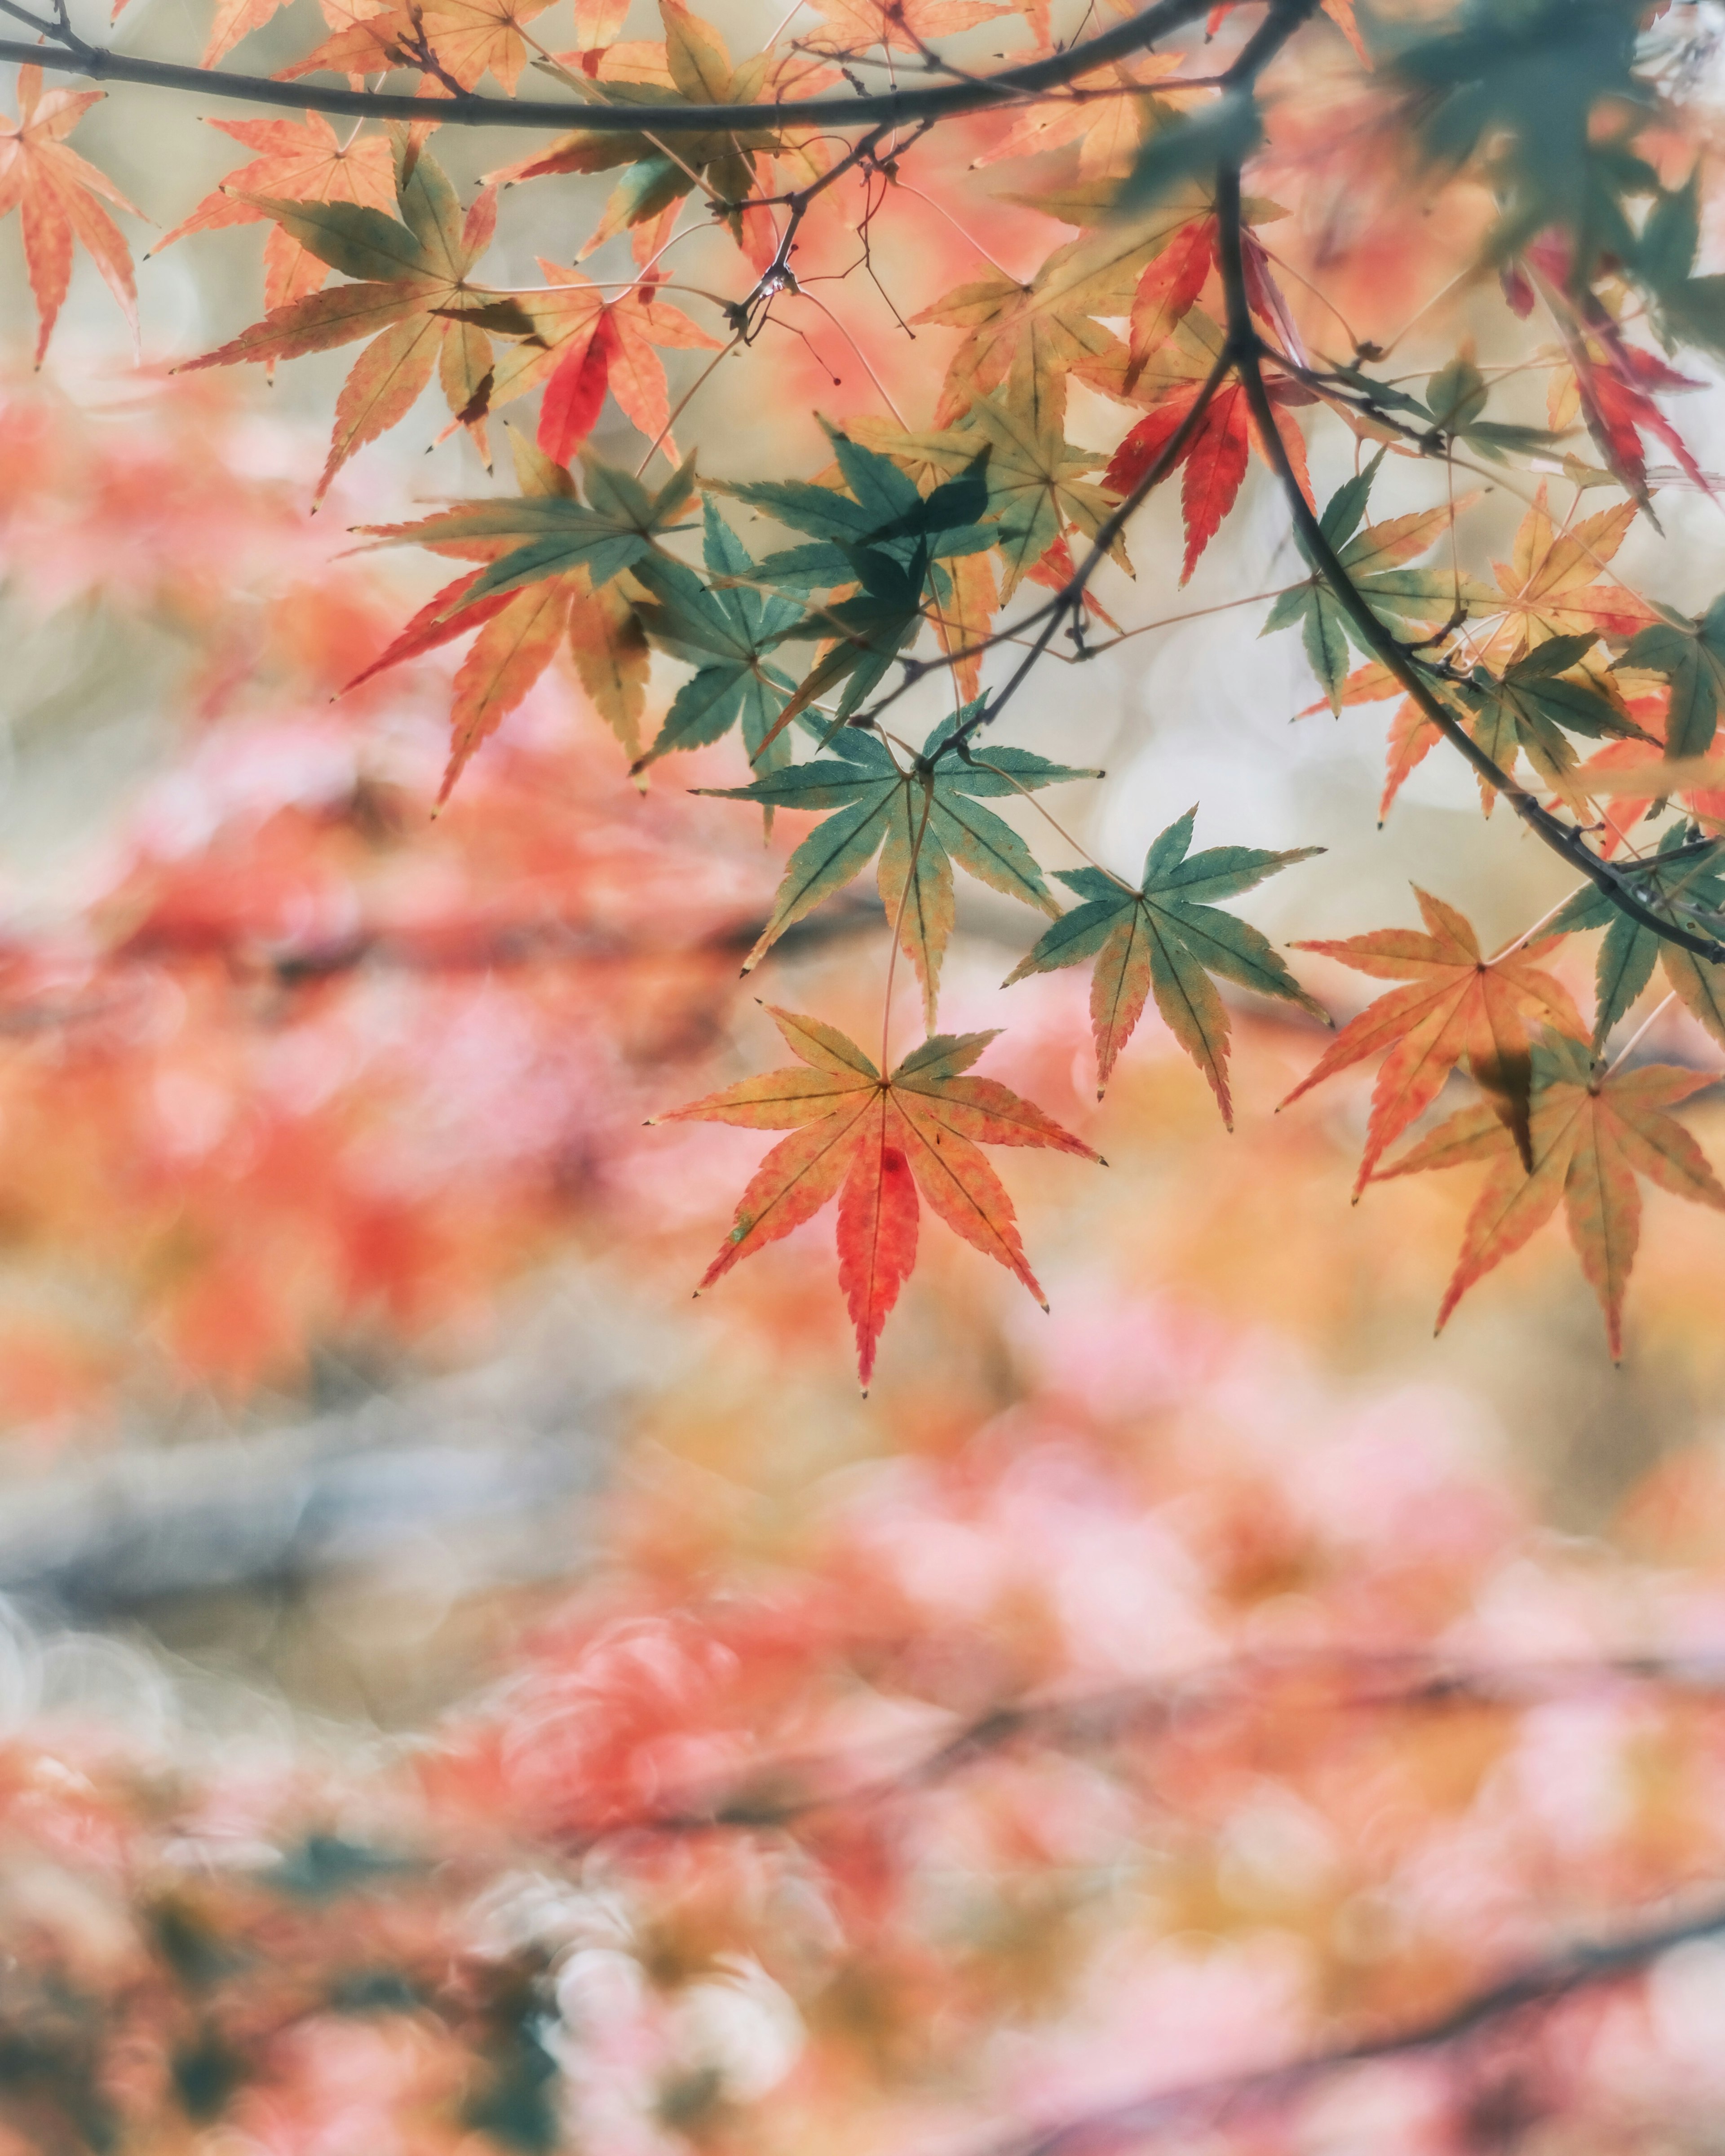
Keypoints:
pixel 1563 839
pixel 888 108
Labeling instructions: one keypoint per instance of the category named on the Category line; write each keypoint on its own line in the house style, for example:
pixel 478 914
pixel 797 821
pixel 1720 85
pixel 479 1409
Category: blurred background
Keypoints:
pixel 402 1571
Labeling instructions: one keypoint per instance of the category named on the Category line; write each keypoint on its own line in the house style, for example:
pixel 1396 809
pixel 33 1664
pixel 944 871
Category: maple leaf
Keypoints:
pixel 1167 939
pixel 519 634
pixel 1107 130
pixel 875 1143
pixel 576 344
pixel 1166 293
pixel 1591 1134
pixel 725 631
pixel 1613 381
pixel 1458 1004
pixel 549 535
pixel 1214 457
pixel 1372 557
pixel 54 190
pixel 457 39
pixel 1691 654
pixel 410 297
pixel 883 536
pixel 1034 475
pixel 297 161
pixel 1541 699
pixel 921 817
pixel 1548 587
pixel 693 67
pixel 1050 326
pixel 1685 880
pixel 904 25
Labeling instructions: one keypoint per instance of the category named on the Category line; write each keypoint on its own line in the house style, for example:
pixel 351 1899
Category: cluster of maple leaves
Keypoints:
pixel 917 536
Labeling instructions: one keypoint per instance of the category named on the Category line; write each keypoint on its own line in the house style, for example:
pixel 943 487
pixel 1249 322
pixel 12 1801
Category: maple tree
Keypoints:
pixel 1384 309
pixel 1567 169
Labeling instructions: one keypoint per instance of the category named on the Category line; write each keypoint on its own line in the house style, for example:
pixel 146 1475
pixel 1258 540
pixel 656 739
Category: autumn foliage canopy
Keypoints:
pixel 1373 326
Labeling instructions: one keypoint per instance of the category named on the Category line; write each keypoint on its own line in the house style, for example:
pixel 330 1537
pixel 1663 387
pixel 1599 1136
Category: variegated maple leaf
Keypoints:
pixel 874 1142
pixel 520 631
pixel 1167 939
pixel 410 297
pixel 55 191
pixel 1056 323
pixel 1592 1133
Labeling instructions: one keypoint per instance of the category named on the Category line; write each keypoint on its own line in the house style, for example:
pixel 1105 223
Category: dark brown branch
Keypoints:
pixel 1563 839
pixel 1538 1983
pixel 886 109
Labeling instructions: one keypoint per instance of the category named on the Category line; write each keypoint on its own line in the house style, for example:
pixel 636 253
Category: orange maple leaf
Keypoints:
pixel 1549 586
pixel 295 161
pixel 466 39
pixel 1458 1003
pixel 1592 1133
pixel 903 26
pixel 54 191
pixel 874 1142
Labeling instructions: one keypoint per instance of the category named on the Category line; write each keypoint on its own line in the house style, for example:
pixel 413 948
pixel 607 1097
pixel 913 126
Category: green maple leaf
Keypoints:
pixel 725 630
pixel 1372 556
pixel 922 820
pixel 1686 879
pixel 884 512
pixel 1520 89
pixel 1167 939
pixel 884 536
pixel 1691 654
pixel 1536 707
pixel 616 529
pixel 1035 482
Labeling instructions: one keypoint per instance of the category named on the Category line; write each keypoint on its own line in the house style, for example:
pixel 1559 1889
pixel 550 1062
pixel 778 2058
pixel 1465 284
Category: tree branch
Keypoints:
pixel 1538 1983
pixel 886 109
pixel 1563 840
pixel 778 1792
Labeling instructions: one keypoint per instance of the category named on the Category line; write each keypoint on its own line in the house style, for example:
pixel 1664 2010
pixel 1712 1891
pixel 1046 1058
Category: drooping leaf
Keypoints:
pixel 55 190
pixel 1692 657
pixel 1458 1005
pixel 411 297
pixel 1685 881
pixel 1167 939
pixel 1592 1134
pixel 875 1143
pixel 923 817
